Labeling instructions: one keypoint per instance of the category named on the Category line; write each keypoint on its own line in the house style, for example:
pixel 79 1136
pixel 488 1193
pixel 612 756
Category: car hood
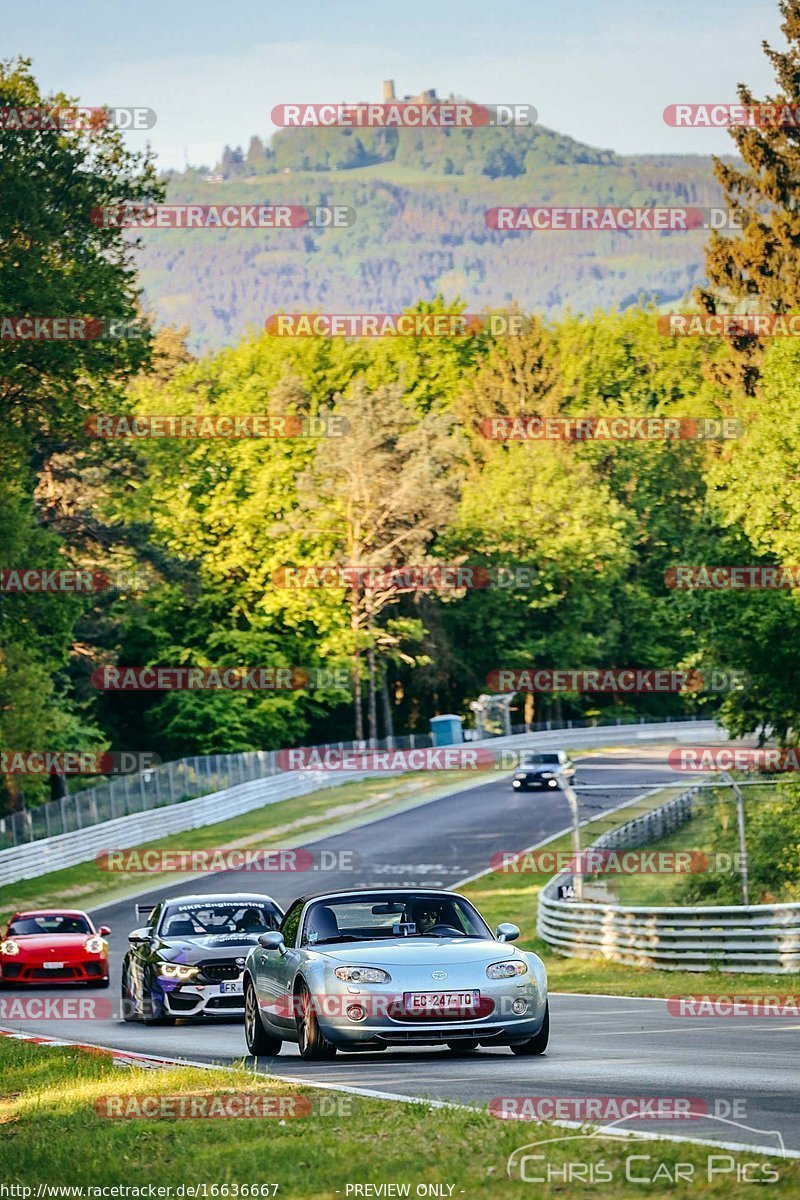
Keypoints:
pixel 417 952
pixel 38 943
pixel 237 945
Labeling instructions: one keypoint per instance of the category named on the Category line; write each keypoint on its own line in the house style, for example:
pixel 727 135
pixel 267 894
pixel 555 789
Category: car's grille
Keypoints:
pixel 12 972
pixel 219 969
pixel 439 1035
pixel 94 968
pixel 59 973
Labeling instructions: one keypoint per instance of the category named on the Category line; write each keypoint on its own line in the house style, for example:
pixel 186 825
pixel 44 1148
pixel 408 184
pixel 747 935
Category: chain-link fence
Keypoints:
pixel 170 783
pixel 188 778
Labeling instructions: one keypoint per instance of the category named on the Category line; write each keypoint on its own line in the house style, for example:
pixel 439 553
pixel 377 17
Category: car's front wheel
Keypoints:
pixel 128 1005
pixel 258 1040
pixel 538 1043
pixel 311 1040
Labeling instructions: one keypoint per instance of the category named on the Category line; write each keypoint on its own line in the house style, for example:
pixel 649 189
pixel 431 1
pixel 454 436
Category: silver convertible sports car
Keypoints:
pixel 363 970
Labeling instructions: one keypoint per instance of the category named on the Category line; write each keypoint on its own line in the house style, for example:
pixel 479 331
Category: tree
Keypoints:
pixel 759 268
pixel 377 501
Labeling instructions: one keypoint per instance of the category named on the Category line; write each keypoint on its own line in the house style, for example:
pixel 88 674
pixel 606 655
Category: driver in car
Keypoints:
pixel 426 916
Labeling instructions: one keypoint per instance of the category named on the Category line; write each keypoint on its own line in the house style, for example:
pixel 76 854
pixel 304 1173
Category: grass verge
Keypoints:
pixel 51 1134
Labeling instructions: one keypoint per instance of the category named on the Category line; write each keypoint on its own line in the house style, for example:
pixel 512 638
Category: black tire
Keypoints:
pixel 258 1040
pixel 128 1008
pixel 312 1043
pixel 467 1046
pixel 538 1043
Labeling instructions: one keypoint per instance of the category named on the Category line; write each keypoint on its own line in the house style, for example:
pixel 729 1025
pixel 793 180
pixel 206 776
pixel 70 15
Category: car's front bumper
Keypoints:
pixel 386 1020
pixel 34 973
pixel 193 1000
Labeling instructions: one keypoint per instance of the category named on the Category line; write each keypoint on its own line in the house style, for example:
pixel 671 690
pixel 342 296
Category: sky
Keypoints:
pixel 601 71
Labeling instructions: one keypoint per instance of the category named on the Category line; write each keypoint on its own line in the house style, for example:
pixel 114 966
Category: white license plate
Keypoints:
pixel 417 1002
pixel 53 966
pixel 231 987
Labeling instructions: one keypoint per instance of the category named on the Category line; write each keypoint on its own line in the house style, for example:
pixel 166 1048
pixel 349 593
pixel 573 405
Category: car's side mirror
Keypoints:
pixel 104 931
pixel 272 941
pixel 138 935
pixel 507 932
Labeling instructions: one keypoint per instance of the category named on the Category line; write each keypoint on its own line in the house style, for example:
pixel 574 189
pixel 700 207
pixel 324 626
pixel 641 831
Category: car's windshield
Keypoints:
pixel 52 924
pixel 534 760
pixel 212 918
pixel 391 915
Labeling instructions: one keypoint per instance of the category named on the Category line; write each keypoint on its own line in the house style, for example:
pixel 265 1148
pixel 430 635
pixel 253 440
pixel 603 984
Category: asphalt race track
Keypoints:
pixel 746 1070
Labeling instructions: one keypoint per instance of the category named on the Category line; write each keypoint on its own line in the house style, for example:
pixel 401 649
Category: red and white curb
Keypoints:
pixel 120 1058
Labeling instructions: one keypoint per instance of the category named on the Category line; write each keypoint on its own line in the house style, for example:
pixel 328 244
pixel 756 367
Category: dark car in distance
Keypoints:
pixel 540 768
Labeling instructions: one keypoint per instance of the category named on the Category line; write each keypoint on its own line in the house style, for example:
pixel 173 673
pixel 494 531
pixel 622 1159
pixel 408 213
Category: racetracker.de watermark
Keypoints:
pixel 733 758
pixel 730 325
pixel 727 116
pixel 74 119
pixel 432 577
pixel 70 329
pixel 376 324
pixel 55 1008
pixel 732 578
pixel 233 679
pixel 615 680
pixel 597 861
pixel 207 1106
pixel 523 428
pixel 442 758
pixel 731 1005
pixel 217 425
pixel 402 114
pixel 210 861
pixel 224 216
pixel 76 762
pixel 593 1109
pixel 582 219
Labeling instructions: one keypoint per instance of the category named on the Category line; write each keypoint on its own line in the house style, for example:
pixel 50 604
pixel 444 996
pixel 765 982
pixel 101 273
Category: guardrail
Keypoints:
pixel 82 845
pixel 756 938
pixel 151 822
pixel 187 778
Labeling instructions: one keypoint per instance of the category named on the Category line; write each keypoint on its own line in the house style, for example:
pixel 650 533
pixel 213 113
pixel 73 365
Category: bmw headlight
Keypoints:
pixel 362 975
pixel 177 971
pixel 94 945
pixel 548 775
pixel 10 948
pixel 506 970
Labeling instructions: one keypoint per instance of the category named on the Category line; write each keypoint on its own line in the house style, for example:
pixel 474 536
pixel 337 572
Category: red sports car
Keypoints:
pixel 60 946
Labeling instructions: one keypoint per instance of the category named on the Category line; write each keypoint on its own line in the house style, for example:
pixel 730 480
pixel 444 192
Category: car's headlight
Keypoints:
pixel 94 945
pixel 177 971
pixel 506 970
pixel 521 775
pixel 10 948
pixel 548 775
pixel 362 975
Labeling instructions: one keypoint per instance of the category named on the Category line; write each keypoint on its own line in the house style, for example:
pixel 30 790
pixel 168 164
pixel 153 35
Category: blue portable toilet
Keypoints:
pixel 447 730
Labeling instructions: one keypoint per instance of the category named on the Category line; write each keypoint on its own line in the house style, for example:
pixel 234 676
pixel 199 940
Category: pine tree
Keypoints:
pixel 759 268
